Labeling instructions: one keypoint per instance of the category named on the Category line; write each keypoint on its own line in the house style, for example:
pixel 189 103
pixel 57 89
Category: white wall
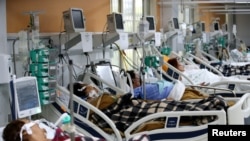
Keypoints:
pixel 3 26
pixel 242 26
pixel 4 88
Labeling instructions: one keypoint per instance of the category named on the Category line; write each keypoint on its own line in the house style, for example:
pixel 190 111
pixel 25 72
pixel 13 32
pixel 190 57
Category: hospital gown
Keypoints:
pixel 154 91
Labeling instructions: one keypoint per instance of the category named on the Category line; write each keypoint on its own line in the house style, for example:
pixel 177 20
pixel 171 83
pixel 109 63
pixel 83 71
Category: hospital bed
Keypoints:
pixel 239 113
pixel 227 68
pixel 239 85
pixel 188 58
pixel 83 125
pixel 105 77
pixel 172 74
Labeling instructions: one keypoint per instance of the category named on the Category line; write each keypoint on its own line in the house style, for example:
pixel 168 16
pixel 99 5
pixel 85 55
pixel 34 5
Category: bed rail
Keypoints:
pixel 81 114
pixel 89 75
pixel 206 64
pixel 240 112
pixel 173 130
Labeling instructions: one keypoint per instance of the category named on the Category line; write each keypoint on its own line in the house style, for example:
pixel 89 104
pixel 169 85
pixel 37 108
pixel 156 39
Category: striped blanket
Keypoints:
pixel 126 110
pixel 230 70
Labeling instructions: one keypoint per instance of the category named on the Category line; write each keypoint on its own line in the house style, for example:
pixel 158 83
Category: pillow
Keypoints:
pixel 103 101
pixel 177 91
pixel 165 60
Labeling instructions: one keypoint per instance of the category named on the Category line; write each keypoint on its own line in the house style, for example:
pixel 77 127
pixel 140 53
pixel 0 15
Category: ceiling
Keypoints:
pixel 217 6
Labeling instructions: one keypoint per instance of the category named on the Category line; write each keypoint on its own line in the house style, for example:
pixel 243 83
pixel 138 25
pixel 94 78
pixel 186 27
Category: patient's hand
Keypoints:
pixel 169 99
pixel 204 84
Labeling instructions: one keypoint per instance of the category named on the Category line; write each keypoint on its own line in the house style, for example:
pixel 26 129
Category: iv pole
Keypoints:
pixel 72 133
pixel 143 29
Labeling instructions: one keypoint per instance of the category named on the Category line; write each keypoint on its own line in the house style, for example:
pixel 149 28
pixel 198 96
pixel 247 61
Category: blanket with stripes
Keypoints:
pixel 127 110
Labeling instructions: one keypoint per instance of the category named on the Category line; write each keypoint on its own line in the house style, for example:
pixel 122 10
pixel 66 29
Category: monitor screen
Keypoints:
pixel 105 72
pixel 74 20
pixel 216 26
pixel 77 17
pixel 203 27
pixel 176 23
pixel 26 96
pixel 119 21
pixel 224 27
pixel 151 22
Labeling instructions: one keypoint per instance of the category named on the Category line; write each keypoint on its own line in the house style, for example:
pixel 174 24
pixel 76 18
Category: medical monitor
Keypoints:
pixel 176 23
pixel 26 95
pixel 203 27
pixel 74 20
pixel 216 26
pixel 104 70
pixel 151 22
pixel 224 27
pixel 115 22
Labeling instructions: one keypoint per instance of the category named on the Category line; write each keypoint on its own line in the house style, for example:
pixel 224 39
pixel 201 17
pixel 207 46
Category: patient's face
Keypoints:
pixel 38 134
pixel 180 67
pixel 91 92
pixel 136 81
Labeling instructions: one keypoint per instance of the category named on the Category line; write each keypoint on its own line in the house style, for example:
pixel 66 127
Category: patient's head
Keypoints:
pixel 175 63
pixel 12 132
pixel 135 77
pixel 239 48
pixel 84 90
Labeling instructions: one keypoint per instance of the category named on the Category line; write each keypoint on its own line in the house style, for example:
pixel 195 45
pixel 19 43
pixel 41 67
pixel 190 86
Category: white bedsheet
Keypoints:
pixel 198 76
pixel 1 133
pixel 177 91
pixel 239 64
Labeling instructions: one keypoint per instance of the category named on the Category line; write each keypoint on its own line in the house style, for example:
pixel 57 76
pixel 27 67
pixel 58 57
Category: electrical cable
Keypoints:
pixel 89 58
pixel 73 69
pixel 130 62
pixel 14 55
pixel 122 54
pixel 104 31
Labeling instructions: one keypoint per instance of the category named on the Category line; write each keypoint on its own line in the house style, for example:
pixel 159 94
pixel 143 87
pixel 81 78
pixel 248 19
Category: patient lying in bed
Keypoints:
pixel 28 130
pixel 205 77
pixel 162 89
pixel 123 110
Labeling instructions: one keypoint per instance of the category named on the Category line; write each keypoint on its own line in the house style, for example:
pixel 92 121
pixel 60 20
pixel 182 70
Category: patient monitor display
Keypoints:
pixel 203 27
pixel 26 94
pixel 151 22
pixel 105 72
pixel 74 20
pixel 175 23
pixel 115 22
pixel 216 26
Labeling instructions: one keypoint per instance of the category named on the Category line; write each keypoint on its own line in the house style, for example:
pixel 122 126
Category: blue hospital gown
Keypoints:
pixel 154 91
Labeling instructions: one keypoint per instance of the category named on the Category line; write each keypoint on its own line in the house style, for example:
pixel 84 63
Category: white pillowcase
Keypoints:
pixel 177 91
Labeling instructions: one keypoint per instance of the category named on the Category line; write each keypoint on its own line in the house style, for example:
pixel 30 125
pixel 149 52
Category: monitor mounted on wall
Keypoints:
pixel 151 21
pixel 203 27
pixel 176 23
pixel 115 22
pixel 74 20
pixel 216 26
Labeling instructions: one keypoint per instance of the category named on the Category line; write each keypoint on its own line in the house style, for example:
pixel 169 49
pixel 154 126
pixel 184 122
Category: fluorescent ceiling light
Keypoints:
pixel 194 2
pixel 228 10
pixel 233 13
pixel 168 2
pixel 242 1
